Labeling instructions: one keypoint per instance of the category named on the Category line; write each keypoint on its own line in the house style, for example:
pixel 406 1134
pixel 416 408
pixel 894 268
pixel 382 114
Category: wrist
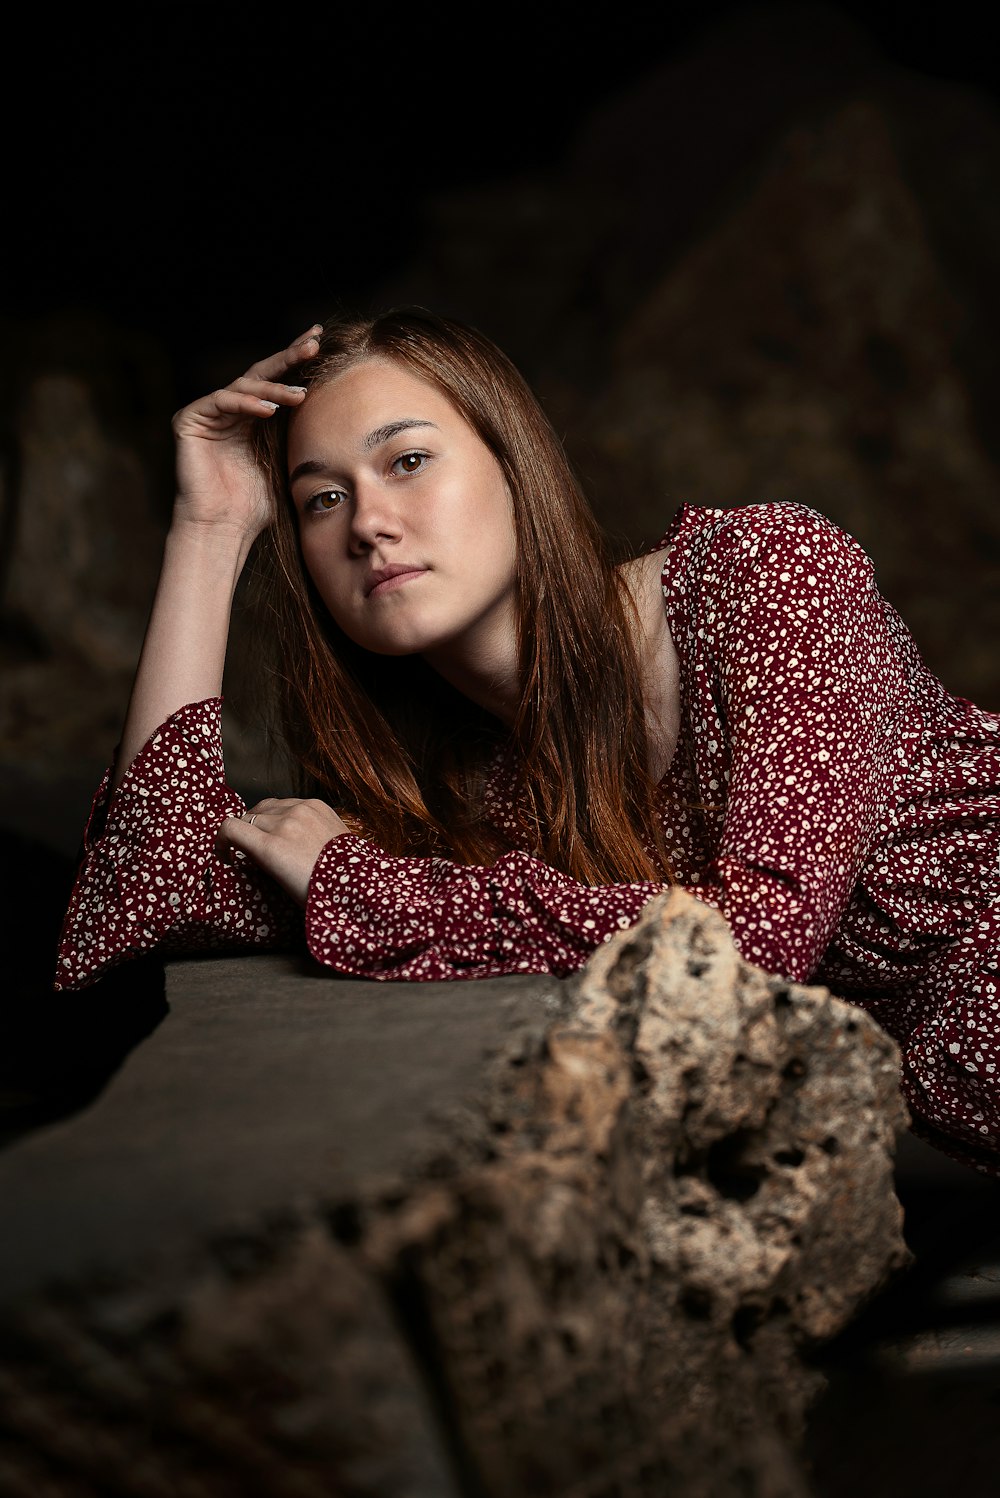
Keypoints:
pixel 217 540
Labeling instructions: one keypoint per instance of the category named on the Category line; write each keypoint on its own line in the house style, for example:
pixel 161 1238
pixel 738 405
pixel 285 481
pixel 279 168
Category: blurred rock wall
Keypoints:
pixel 767 271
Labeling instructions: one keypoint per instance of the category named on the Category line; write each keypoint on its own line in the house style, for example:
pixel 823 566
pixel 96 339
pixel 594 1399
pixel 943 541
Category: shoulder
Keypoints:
pixel 750 544
pixel 753 527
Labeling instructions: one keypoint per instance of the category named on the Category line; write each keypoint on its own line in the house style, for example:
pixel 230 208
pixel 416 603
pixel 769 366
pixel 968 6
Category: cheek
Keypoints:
pixel 320 567
pixel 495 515
pixel 508 531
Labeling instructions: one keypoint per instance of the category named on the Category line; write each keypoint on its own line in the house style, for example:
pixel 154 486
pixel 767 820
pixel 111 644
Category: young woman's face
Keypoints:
pixel 404 516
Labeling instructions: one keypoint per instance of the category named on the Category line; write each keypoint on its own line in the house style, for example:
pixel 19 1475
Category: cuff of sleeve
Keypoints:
pixel 180 759
pixel 144 871
pixel 569 920
pixel 338 934
pixel 373 914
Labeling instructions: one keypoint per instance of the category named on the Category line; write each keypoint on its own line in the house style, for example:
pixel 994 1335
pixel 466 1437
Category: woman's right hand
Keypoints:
pixel 220 484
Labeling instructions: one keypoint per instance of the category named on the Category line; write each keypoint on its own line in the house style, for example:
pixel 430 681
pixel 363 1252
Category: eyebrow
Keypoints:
pixel 373 440
pixel 393 429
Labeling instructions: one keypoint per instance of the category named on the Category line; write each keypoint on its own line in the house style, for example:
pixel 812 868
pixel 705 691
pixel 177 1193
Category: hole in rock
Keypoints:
pixel 696 1302
pixel 344 1222
pixel 732 1176
pixel 640 1075
pixel 745 1322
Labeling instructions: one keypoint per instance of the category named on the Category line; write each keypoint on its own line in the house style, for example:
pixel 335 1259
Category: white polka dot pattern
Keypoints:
pixel 150 879
pixel 828 795
pixel 376 916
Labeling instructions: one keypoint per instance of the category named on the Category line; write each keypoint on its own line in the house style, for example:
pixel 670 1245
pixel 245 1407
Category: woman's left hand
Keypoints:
pixel 284 838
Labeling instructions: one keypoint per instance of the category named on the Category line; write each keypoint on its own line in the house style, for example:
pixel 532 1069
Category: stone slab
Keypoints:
pixel 268 1082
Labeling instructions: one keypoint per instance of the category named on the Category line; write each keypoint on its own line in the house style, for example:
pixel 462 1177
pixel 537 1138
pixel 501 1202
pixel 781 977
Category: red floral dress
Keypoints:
pixel 851 836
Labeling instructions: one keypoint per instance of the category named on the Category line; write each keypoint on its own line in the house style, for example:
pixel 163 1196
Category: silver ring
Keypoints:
pixel 252 820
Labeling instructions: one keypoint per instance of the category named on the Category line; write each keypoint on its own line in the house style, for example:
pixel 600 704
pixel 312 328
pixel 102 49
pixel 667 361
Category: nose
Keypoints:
pixel 375 518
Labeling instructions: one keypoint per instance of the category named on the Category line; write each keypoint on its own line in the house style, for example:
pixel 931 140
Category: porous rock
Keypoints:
pixel 593 1261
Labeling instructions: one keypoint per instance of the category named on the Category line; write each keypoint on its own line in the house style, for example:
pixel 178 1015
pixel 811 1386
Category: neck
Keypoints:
pixel 657 659
pixel 486 671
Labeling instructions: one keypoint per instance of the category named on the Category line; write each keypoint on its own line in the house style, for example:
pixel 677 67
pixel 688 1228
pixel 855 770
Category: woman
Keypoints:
pixel 523 743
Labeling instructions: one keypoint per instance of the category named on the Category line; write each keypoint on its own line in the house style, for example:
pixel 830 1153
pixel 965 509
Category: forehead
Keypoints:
pixel 342 412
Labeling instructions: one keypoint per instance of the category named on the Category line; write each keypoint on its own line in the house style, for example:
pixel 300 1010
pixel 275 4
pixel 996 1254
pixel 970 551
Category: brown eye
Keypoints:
pixel 410 462
pixel 328 499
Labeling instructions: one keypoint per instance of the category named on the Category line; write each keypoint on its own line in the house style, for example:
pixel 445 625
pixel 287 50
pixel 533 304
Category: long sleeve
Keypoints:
pixel 810 703
pixel 149 879
pixel 373 915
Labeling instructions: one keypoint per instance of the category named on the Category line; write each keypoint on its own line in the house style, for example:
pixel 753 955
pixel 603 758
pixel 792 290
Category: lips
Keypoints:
pixel 380 580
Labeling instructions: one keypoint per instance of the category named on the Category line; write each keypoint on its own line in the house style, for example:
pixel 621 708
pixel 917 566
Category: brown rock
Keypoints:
pixel 693 1184
pixel 561 1239
pixel 747 1088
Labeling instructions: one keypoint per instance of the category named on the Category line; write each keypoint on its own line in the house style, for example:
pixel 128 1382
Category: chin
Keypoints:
pixel 405 636
pixel 397 651
pixel 410 643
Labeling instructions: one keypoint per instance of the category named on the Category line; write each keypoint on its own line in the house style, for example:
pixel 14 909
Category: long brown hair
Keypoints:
pixel 403 755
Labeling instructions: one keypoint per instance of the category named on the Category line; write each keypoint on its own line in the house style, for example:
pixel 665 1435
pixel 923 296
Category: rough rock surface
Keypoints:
pixel 487 1239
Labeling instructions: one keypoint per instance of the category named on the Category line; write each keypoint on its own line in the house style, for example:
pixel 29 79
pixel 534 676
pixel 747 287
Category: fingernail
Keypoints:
pixel 271 405
pixel 297 389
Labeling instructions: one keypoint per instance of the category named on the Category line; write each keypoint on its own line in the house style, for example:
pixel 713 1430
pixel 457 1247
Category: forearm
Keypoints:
pixel 373 915
pixel 223 503
pixel 184 651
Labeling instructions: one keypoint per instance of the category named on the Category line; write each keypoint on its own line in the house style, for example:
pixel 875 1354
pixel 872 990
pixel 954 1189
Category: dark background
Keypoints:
pixel 743 252
pixel 218 176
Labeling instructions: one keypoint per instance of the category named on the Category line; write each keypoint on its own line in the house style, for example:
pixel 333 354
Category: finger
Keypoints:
pixel 275 365
pixel 241 834
pixel 266 816
pixel 289 860
pixel 269 390
pixel 231 402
